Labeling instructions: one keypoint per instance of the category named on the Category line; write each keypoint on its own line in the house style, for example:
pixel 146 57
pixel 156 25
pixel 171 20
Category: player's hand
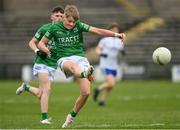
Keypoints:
pixel 103 55
pixel 48 54
pixel 122 36
pixel 41 54
pixel 123 52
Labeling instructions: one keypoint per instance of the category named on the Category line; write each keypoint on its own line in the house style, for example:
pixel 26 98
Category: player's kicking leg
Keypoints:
pixel 90 72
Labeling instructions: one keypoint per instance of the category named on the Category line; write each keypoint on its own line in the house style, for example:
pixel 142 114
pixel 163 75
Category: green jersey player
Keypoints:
pixel 68 36
pixel 41 57
pixel 44 66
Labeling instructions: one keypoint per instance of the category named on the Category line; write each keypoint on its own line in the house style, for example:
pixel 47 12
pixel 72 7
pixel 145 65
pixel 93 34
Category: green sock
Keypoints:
pixel 44 116
pixel 73 114
pixel 26 87
pixel 83 74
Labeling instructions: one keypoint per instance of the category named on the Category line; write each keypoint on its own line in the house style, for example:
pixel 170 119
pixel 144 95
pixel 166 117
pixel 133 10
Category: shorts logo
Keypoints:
pixel 38 67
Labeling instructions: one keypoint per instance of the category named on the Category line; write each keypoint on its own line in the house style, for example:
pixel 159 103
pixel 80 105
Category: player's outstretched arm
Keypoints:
pixel 107 33
pixel 42 46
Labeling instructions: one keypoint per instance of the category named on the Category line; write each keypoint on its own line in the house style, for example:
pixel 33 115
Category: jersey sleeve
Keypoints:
pixel 84 27
pixel 49 33
pixel 40 33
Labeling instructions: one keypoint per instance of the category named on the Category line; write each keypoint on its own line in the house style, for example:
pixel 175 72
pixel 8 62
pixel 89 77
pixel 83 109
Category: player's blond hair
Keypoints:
pixel 71 11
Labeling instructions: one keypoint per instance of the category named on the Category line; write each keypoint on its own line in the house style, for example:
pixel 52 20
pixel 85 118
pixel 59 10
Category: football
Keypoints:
pixel 161 56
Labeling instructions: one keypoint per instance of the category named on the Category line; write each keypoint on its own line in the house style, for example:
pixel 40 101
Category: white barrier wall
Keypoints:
pixel 175 71
pixel 26 73
pixel 98 76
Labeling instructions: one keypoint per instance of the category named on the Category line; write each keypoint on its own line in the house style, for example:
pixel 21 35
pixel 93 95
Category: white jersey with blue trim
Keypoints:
pixel 110 46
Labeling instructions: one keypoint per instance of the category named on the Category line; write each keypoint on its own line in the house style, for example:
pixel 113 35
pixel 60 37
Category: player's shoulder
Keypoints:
pixel 57 23
pixel 45 26
pixel 81 23
pixel 78 23
pixel 105 39
pixel 102 41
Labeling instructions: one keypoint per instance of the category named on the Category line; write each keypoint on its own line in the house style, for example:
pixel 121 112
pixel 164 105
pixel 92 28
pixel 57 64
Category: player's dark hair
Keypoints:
pixel 58 9
pixel 113 25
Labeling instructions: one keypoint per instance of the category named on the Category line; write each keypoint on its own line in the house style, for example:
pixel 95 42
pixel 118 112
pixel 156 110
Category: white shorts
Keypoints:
pixel 81 61
pixel 41 68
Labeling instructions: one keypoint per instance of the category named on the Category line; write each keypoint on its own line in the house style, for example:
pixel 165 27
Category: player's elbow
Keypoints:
pixel 31 43
pixel 40 45
pixel 95 30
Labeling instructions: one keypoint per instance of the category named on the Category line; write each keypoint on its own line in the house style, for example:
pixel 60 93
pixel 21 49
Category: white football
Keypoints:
pixel 161 56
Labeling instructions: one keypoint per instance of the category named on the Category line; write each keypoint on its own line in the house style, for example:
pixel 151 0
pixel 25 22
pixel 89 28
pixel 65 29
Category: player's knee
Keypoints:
pixel 68 66
pixel 85 93
pixel 47 89
pixel 111 85
pixel 39 94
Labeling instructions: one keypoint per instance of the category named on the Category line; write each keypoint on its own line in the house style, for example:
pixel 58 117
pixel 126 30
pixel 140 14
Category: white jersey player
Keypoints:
pixel 108 50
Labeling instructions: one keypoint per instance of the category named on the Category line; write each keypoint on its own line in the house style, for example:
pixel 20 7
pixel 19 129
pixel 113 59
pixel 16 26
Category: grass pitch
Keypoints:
pixel 131 105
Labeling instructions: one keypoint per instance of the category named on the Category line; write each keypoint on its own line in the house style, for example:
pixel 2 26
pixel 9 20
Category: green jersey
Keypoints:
pixel 52 60
pixel 68 42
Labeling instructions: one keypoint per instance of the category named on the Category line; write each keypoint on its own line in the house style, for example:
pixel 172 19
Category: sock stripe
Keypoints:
pixel 73 114
pixel 26 87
